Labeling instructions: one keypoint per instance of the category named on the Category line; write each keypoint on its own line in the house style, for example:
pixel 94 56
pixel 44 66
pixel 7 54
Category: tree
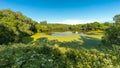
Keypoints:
pixel 43 22
pixel 117 19
pixel 112 34
pixel 41 28
pixel 6 34
pixel 19 24
pixel 106 23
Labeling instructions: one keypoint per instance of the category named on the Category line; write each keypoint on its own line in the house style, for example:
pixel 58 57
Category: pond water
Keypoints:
pixel 64 33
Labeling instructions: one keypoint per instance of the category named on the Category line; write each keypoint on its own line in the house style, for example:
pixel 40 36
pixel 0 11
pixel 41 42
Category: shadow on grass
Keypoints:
pixel 45 41
pixel 71 44
pixel 90 42
pixel 27 40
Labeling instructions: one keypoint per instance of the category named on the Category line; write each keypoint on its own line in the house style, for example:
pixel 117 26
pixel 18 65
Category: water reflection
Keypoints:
pixel 64 33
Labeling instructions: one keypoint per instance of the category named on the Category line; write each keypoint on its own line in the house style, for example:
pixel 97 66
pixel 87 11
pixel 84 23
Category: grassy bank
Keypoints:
pixel 95 34
pixel 82 39
pixel 59 38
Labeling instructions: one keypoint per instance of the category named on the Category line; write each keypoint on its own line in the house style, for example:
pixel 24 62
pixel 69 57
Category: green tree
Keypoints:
pixel 112 34
pixel 117 19
pixel 106 23
pixel 6 34
pixel 43 22
pixel 41 28
pixel 18 23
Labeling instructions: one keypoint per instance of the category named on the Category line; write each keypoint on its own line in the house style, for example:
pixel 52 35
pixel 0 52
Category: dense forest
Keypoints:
pixel 45 53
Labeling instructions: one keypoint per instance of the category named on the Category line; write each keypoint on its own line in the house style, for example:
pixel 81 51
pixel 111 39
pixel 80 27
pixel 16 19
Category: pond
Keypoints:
pixel 67 33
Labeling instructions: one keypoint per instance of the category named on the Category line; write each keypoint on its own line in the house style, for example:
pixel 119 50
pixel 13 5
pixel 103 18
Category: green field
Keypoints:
pixel 83 39
pixel 94 34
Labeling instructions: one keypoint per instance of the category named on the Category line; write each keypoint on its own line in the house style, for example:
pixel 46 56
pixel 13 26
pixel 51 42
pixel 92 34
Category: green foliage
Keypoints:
pixel 43 22
pixel 41 28
pixel 58 27
pixel 27 40
pixel 16 23
pixel 6 34
pixel 75 28
pixel 117 18
pixel 107 24
pixel 92 26
pixel 45 56
pixel 112 34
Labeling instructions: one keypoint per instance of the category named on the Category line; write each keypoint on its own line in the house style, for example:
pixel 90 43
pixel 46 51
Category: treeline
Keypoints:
pixel 14 26
pixel 47 27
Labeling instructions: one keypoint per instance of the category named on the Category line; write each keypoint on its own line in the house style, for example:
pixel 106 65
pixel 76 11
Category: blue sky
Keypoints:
pixel 65 11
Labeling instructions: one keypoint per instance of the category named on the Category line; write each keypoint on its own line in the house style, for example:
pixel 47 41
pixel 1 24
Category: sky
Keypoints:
pixel 65 11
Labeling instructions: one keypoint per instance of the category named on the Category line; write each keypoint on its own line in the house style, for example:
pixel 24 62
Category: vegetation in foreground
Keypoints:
pixel 55 56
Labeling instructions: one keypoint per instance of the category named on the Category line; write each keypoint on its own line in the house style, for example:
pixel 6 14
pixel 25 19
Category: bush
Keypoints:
pixel 112 34
pixel 34 56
